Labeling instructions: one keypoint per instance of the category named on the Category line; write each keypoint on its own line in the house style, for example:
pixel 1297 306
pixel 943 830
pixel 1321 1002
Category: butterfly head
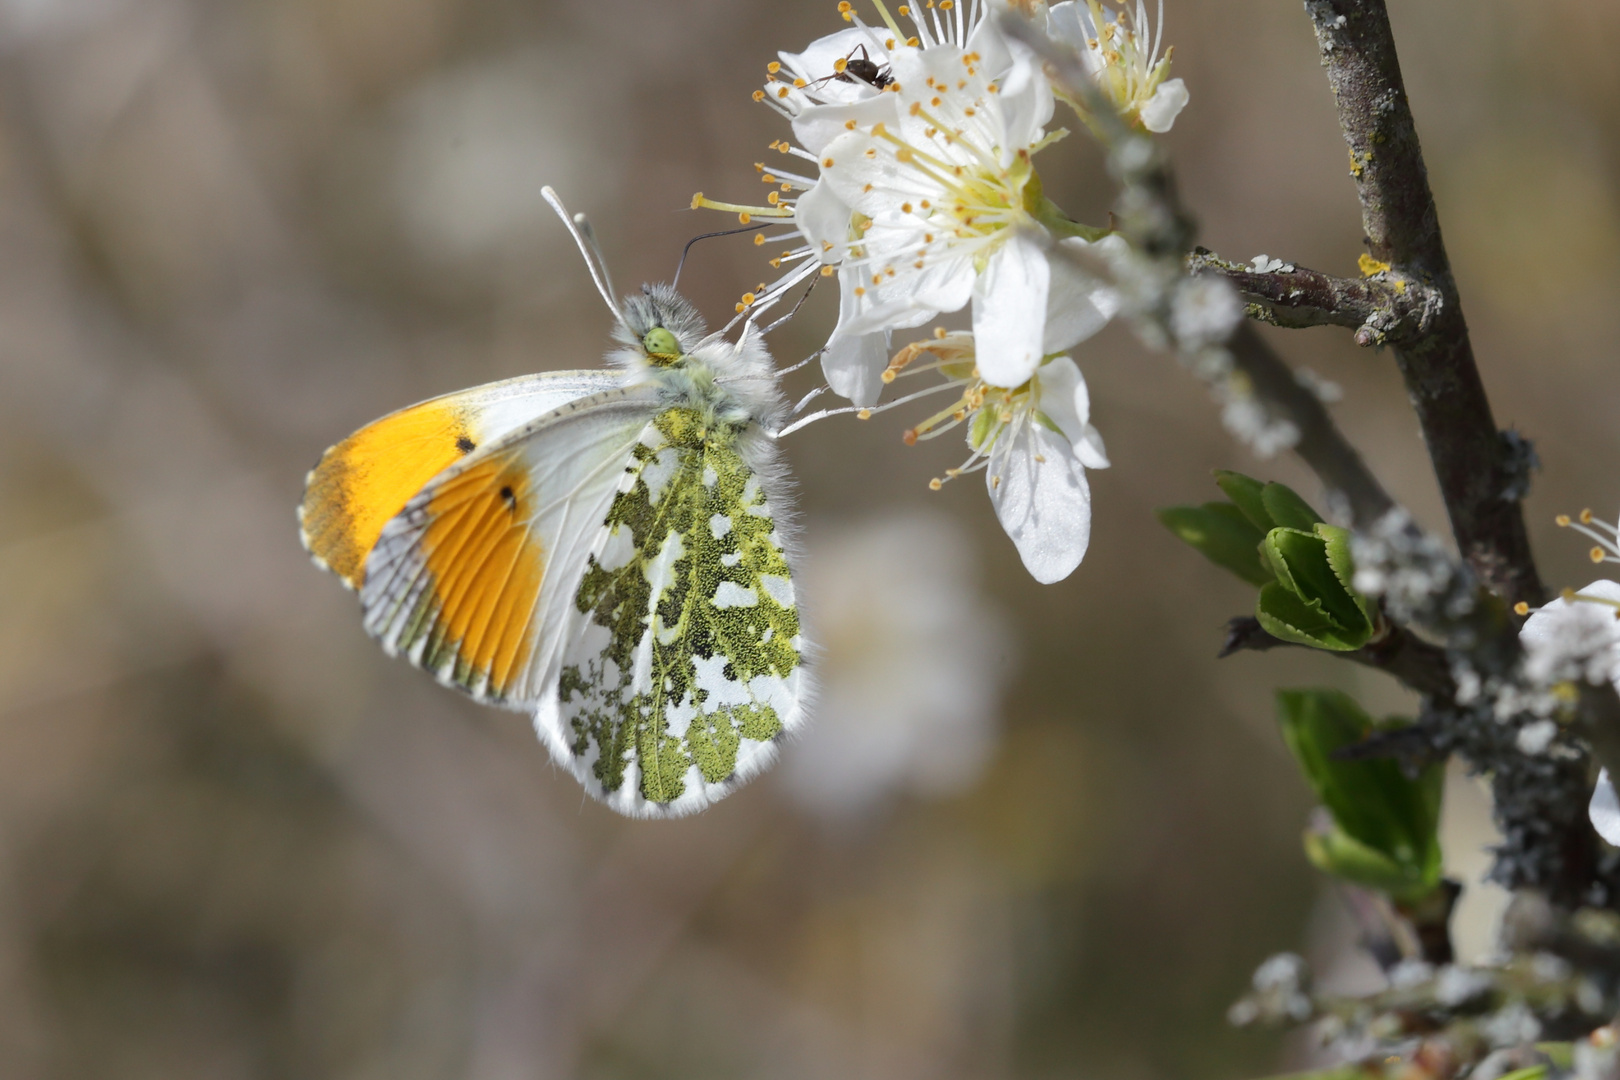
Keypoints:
pixel 660 327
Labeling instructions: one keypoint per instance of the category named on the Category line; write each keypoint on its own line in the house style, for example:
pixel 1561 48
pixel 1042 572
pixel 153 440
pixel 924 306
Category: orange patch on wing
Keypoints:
pixel 487 566
pixel 366 479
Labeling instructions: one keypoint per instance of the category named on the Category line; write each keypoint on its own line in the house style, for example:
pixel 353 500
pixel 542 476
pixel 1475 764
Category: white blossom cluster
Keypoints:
pixel 910 177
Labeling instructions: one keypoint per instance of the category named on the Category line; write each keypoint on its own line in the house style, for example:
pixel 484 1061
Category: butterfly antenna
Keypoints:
pixel 580 229
pixel 676 284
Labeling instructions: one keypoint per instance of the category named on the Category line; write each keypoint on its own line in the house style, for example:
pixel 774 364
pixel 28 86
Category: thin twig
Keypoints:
pixel 1321 445
pixel 1416 663
pixel 1384 309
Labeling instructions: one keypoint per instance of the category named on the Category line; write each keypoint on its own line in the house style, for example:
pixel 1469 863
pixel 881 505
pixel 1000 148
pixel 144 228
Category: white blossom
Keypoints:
pixel 925 199
pixel 1121 51
pixel 1577 638
pixel 1033 442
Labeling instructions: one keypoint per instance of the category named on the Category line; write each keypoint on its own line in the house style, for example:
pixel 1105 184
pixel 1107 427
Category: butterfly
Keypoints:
pixel 609 550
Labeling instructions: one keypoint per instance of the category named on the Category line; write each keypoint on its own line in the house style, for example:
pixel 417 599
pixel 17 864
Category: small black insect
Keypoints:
pixel 861 69
pixel 865 69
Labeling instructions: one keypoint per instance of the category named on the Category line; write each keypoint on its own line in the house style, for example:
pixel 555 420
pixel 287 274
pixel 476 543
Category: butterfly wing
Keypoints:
pixel 684 661
pixel 366 479
pixel 474 579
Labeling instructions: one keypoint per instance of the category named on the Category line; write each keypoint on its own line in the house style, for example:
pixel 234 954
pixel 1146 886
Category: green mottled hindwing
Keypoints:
pixel 685 664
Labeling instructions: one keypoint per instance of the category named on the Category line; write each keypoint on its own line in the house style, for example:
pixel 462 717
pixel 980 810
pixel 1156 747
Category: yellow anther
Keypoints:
pixel 864 414
pixel 826 271
pixel 773 67
pixel 744 218
pixel 759 95
pixel 1596 554
pixel 1562 521
pixel 889 375
pixel 912 42
pixel 773 198
pixel 1586 517
pixel 935 484
pixel 826 163
pixel 747 298
pixel 939 332
pixel 759 241
pixel 909 436
pixel 782 93
pixel 888 43
pixel 1567 595
pixel 840 64
pixel 798 84
pixel 849 125
pixel 1521 608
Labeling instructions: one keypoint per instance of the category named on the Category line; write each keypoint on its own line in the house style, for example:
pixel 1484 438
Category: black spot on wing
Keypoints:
pixel 466 445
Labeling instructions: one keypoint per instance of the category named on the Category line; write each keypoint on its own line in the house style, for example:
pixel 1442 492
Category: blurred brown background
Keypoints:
pixel 1038 832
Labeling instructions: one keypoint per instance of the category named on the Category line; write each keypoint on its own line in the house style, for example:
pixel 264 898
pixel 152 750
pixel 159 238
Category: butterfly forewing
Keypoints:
pixel 473 578
pixel 366 479
pixel 685 661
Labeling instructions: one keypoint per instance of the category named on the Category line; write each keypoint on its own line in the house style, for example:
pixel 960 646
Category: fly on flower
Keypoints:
pixel 609 551
pixel 922 196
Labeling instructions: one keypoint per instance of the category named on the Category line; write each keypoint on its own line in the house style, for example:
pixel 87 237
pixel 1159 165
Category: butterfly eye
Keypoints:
pixel 661 345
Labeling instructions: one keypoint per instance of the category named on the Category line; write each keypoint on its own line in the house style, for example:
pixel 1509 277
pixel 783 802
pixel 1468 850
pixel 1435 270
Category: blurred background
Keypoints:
pixel 238 842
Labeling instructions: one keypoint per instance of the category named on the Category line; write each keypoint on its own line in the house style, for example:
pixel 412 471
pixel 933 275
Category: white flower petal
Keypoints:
pixel 854 366
pixel 1067 403
pixel 1042 500
pixel 1167 102
pixel 1542 631
pixel 1604 809
pixel 824 219
pixel 1009 310
pixel 1161 110
pixel 819 125
pixel 1078 304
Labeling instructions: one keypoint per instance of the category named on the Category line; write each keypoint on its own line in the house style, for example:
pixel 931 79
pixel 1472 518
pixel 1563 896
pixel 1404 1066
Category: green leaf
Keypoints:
pixel 1246 493
pixel 1287 509
pixel 1338 618
pixel 1380 814
pixel 1337 541
pixel 1223 535
pixel 1284 615
pixel 1342 855
pixel 1529 1072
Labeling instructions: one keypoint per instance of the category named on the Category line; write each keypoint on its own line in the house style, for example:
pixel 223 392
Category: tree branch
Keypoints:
pixel 1403 230
pixel 1384 309
pixel 1321 445
pixel 1422 666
